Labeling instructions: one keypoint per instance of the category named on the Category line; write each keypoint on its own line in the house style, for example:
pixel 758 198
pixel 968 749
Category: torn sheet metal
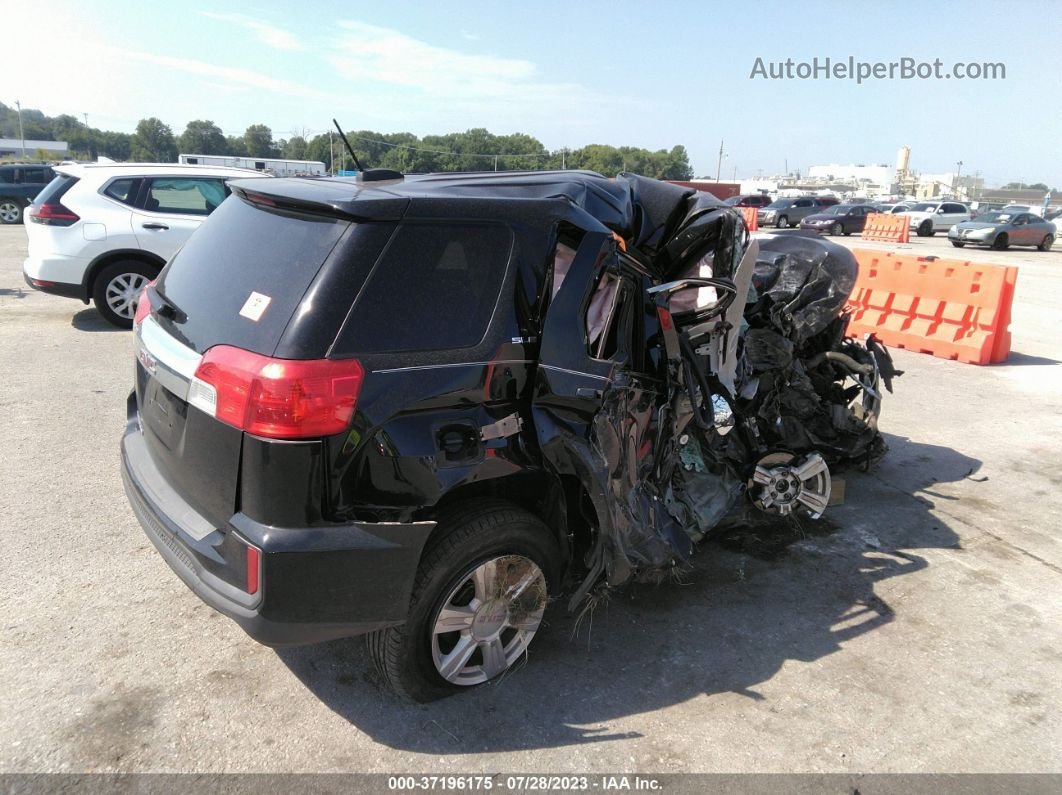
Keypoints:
pixel 756 390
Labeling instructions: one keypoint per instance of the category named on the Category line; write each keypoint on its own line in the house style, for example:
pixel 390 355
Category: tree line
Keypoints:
pixel 472 150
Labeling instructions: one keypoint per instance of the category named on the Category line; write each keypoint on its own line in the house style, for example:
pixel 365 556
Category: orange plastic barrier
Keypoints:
pixel 888 227
pixel 949 308
pixel 751 218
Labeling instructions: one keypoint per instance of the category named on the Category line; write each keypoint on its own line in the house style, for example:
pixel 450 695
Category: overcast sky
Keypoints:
pixel 569 73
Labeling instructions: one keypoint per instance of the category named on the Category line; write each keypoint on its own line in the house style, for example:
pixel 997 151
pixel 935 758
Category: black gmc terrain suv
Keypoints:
pixel 416 407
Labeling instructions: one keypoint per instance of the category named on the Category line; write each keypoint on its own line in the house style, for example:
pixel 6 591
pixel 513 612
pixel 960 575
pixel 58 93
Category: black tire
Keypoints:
pixel 925 229
pixel 10 211
pixel 837 229
pixel 1001 243
pixel 957 244
pixel 1046 243
pixel 782 222
pixel 111 279
pixel 467 536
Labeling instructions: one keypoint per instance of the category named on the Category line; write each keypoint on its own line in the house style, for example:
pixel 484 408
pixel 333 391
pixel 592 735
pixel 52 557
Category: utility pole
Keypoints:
pixel 331 156
pixel 86 118
pixel 21 132
pixel 719 165
pixel 958 171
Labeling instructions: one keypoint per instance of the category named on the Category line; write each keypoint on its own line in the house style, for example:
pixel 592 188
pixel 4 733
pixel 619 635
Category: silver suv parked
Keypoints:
pixel 784 213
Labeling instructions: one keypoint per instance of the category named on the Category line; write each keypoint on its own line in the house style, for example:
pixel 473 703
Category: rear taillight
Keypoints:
pixel 52 214
pixel 276 398
pixel 143 305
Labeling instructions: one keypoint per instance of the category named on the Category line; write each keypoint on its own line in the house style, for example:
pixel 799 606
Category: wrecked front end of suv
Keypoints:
pixel 719 370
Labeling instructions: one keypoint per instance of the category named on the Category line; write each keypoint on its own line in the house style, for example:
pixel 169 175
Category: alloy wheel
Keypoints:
pixel 488 619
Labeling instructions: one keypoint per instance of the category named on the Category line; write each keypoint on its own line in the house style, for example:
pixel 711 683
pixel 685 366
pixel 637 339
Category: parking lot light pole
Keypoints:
pixel 21 132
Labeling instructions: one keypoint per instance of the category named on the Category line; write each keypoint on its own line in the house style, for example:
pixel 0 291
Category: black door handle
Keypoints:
pixel 155 226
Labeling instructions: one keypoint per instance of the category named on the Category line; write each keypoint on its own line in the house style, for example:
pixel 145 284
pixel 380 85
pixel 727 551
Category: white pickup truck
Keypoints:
pixel 928 218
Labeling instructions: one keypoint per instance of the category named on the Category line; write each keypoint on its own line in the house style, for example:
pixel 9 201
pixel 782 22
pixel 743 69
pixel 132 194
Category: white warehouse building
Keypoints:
pixel 881 176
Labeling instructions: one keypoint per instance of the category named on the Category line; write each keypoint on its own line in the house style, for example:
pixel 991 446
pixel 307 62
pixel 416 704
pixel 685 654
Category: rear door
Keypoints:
pixel 857 220
pixel 595 405
pixel 169 209
pixel 952 214
pixel 1022 231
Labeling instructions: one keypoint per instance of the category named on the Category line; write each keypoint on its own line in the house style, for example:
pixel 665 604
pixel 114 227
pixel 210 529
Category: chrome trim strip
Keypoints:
pixel 452 364
pixel 575 372
pixel 172 363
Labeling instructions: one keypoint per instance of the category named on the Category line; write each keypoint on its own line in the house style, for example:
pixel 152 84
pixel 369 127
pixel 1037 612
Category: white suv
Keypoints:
pixel 928 218
pixel 102 232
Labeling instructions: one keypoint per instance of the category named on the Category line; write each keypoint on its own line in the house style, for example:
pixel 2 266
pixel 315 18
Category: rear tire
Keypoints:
pixel 484 548
pixel 10 211
pixel 1046 243
pixel 116 288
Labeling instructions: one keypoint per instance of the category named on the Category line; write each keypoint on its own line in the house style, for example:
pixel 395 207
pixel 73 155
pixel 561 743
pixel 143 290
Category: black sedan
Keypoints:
pixel 841 219
pixel 1003 229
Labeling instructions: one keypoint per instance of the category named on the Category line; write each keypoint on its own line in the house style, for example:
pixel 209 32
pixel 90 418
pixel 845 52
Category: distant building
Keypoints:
pixel 1024 196
pixel 14 146
pixel 855 180
pixel 753 186
pixel 934 186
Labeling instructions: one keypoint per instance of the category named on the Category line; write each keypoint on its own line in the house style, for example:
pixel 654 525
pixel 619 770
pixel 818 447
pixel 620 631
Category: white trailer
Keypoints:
pixel 274 166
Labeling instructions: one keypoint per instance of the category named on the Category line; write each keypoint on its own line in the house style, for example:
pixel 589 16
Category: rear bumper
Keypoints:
pixel 316 584
pixel 57 288
pixel 58 275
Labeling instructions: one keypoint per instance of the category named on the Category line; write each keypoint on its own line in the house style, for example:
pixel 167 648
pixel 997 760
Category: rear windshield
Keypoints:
pixel 240 276
pixel 55 189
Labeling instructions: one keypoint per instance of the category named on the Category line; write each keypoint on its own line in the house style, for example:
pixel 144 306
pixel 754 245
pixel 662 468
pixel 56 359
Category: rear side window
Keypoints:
pixel 241 275
pixel 55 189
pixel 434 288
pixel 123 190
pixel 184 196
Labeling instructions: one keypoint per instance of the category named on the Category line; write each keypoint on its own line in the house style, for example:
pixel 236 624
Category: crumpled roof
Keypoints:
pixel 664 225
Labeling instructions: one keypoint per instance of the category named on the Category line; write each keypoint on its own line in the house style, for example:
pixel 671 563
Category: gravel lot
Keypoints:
pixel 920 630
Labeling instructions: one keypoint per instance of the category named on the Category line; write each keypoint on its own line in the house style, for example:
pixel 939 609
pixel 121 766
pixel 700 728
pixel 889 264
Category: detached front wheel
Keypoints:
pixel 478 600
